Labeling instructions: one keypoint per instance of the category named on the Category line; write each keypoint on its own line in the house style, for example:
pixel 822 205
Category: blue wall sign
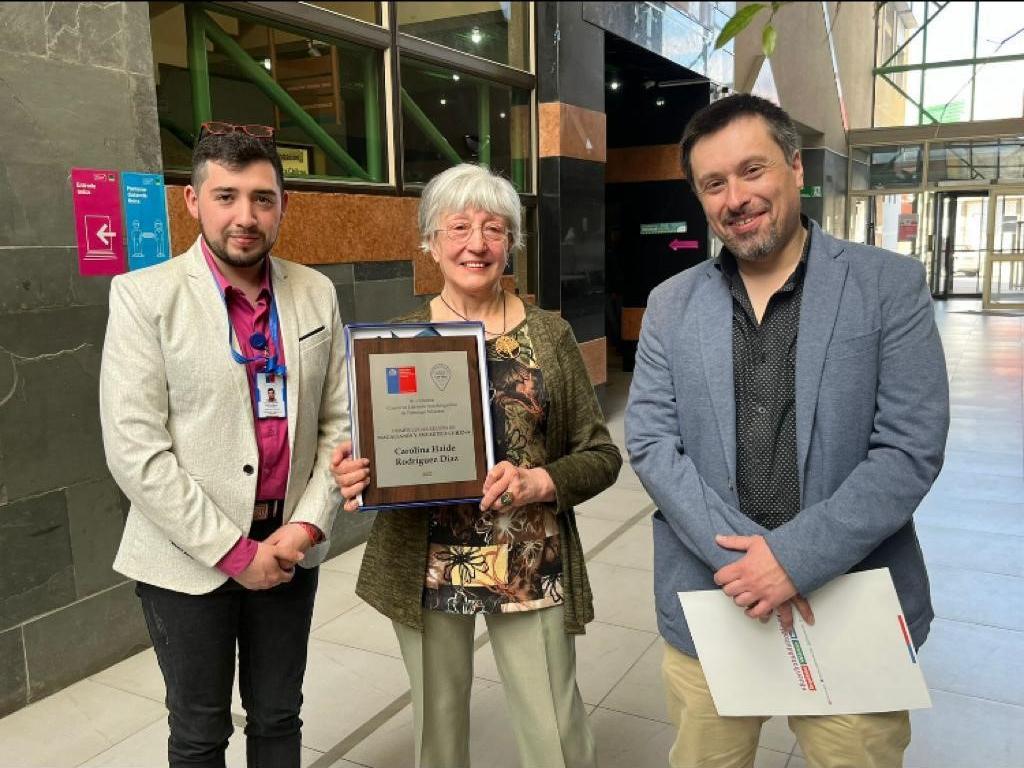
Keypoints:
pixel 147 236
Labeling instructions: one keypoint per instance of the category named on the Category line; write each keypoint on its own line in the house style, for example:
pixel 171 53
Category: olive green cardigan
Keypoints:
pixel 582 462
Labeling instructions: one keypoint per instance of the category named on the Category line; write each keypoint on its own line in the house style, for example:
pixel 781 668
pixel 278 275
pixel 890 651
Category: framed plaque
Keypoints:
pixel 419 409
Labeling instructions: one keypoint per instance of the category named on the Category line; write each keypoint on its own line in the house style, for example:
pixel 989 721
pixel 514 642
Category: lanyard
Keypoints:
pixel 257 340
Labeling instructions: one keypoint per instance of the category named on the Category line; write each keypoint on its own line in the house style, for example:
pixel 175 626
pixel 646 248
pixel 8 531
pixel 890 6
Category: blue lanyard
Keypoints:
pixel 257 340
pixel 271 364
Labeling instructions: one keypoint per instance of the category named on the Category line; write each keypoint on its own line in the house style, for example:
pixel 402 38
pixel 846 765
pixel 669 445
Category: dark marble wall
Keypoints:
pixel 76 85
pixel 77 89
pixel 570 70
pixel 571 208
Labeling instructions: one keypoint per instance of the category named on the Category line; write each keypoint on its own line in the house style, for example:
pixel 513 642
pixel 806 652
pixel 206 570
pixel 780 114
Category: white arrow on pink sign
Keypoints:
pixel 97 202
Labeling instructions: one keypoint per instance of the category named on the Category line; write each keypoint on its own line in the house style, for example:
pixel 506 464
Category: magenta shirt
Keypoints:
pixel 271 434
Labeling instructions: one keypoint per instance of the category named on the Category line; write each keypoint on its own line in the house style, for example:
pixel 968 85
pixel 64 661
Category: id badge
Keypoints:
pixel 270 396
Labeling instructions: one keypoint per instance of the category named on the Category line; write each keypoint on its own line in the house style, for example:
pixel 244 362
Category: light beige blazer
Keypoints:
pixel 178 424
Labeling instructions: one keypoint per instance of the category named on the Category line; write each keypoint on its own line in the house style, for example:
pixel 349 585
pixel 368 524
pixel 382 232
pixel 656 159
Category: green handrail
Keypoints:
pixel 483 107
pixel 424 124
pixel 259 77
pixel 371 111
pixel 186 138
pixel 198 68
pixel 520 144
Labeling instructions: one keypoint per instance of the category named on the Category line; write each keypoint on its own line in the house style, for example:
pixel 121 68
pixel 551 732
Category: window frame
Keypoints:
pixel 385 40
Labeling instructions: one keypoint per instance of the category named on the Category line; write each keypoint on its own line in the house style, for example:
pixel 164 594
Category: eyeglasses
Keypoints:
pixel 215 128
pixel 460 233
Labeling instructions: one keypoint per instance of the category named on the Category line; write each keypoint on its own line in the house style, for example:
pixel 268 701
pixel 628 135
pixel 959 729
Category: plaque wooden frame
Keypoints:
pixel 363 340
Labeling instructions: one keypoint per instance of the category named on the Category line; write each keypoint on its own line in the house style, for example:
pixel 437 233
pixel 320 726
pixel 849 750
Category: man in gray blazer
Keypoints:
pixel 788 412
pixel 230 488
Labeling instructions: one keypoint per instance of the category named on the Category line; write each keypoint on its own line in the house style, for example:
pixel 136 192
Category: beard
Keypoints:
pixel 220 250
pixel 756 248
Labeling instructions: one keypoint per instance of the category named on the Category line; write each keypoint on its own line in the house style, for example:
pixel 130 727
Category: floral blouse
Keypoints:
pixel 510 559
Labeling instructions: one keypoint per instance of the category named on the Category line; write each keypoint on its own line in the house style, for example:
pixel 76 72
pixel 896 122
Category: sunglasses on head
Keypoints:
pixel 215 128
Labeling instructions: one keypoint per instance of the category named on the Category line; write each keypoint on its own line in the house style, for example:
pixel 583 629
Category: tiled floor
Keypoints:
pixel 356 704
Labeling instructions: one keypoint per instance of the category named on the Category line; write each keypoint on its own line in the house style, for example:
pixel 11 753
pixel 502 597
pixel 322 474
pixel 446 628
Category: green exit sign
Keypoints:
pixel 663 228
pixel 810 191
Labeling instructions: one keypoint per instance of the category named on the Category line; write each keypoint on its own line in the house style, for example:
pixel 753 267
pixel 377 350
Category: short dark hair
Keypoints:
pixel 236 150
pixel 717 115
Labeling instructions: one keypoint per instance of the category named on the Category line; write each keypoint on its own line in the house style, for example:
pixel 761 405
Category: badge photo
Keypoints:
pixel 270 403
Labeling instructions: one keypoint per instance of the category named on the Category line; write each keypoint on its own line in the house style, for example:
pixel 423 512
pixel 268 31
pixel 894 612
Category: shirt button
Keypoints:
pixel 762 410
pixel 248 469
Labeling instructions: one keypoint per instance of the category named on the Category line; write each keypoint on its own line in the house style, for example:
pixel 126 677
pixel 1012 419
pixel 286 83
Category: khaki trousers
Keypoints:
pixel 536 661
pixel 706 740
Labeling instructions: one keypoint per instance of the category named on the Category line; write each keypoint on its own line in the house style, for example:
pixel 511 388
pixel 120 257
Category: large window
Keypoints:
pixel 948 62
pixel 887 167
pixel 499 32
pixel 449 118
pixel 326 75
pixel 323 94
pixel 978 160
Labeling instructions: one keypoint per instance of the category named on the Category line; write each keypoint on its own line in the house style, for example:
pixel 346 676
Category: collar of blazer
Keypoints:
pixel 823 288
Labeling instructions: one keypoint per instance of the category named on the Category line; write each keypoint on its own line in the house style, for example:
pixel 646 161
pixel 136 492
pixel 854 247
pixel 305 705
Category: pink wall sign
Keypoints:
pixel 684 245
pixel 97 199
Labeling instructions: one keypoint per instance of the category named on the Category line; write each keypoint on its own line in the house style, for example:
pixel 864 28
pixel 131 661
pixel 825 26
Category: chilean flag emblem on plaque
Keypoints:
pixel 402 380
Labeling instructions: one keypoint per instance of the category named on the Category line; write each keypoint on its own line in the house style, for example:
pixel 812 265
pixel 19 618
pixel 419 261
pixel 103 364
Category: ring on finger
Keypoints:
pixel 506 498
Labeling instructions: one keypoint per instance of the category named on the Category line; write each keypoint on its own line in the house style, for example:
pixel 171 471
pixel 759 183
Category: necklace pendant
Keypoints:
pixel 506 347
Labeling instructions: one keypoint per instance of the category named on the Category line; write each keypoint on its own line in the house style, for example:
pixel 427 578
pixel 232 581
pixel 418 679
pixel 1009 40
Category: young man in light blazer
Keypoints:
pixel 229 491
pixel 788 412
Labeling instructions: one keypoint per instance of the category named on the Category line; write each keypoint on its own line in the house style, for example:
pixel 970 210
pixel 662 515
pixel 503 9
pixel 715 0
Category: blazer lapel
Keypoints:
pixel 212 302
pixel 823 288
pixel 290 337
pixel 716 351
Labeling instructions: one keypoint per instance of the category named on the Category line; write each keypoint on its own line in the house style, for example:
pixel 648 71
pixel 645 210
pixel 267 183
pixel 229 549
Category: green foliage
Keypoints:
pixel 768 38
pixel 743 18
pixel 740 21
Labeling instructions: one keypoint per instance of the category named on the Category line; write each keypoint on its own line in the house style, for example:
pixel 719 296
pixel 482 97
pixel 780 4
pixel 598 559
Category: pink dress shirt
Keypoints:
pixel 271 434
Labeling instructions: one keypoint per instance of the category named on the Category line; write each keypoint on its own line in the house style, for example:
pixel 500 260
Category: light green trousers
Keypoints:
pixel 536 660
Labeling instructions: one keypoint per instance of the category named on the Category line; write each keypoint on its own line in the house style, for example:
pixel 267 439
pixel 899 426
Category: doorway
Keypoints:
pixel 959 246
pixel 1003 287
pixel 891 221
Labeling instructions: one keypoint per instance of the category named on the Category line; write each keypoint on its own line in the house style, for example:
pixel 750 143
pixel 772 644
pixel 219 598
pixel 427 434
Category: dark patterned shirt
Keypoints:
pixel 500 561
pixel 764 380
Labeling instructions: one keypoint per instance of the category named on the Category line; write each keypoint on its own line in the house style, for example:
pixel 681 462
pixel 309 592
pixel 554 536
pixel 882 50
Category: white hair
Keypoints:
pixel 467 186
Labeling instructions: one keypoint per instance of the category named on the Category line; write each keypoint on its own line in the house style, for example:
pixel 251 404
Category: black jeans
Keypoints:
pixel 195 636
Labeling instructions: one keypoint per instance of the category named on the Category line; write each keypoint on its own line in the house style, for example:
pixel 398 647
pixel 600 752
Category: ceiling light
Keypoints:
pixel 614 85
pixel 443 102
pixel 266 64
pixel 475 36
pixel 659 102
pixel 455 77
pixel 502 115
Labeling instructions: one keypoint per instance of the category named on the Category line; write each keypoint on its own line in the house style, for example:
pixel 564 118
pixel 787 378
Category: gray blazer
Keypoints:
pixel 178 423
pixel 872 412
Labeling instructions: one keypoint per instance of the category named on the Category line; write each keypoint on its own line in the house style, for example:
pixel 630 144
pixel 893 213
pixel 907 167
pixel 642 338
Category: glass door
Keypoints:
pixel 959 244
pixel 1004 283
pixel 889 221
pixel 861 224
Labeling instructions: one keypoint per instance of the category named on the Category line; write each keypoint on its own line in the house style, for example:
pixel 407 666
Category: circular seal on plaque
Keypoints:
pixel 441 374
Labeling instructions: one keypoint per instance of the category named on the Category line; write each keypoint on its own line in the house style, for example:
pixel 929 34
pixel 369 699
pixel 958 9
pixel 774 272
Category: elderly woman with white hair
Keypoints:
pixel 516 558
